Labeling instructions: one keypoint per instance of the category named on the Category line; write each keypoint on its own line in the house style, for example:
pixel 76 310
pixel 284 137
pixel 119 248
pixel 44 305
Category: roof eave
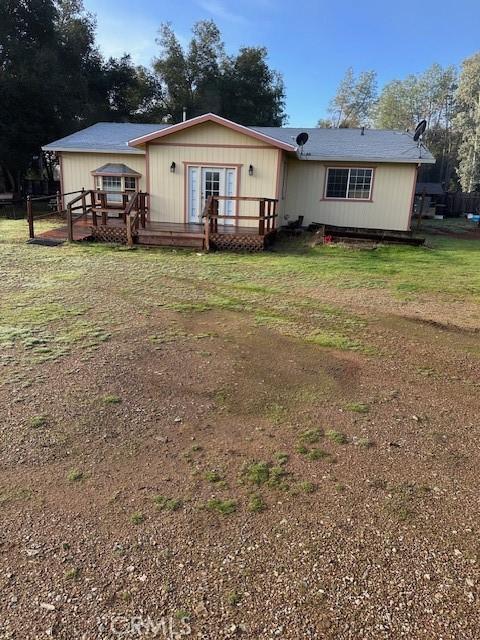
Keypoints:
pixel 129 150
pixel 211 117
pixel 367 159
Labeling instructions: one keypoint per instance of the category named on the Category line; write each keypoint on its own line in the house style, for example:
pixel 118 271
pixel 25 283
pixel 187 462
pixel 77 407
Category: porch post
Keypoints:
pixel 31 232
pixel 261 221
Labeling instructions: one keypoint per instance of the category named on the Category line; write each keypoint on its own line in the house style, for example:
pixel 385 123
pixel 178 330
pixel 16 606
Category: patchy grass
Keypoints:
pixel 213 477
pixel 234 598
pixel 72 574
pixel 306 487
pixel 256 503
pixel 256 473
pixel 75 475
pixel 137 518
pixel 225 507
pixel 310 436
pixel 357 407
pixel 38 421
pixel 168 504
pixel 111 399
pixel 336 436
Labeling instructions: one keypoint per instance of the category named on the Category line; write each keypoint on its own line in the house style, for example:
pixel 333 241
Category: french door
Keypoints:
pixel 211 181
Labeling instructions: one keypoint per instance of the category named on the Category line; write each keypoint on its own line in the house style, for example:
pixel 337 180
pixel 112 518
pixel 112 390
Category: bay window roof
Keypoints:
pixel 112 169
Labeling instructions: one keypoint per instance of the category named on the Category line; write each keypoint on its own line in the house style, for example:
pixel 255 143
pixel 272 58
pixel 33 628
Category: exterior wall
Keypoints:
pixel 77 168
pixel 389 208
pixel 210 133
pixel 206 145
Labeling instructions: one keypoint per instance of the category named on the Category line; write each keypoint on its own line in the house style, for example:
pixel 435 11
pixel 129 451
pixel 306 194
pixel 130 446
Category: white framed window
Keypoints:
pixel 349 183
pixel 116 183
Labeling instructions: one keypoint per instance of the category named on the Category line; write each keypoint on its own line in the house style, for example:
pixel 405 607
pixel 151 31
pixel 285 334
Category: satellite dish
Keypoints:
pixel 302 138
pixel 419 130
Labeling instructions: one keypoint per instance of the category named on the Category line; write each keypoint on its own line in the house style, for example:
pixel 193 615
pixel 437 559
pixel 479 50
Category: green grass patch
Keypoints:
pixel 75 475
pixel 137 518
pixel 224 507
pixel 310 436
pixel 168 504
pixel 334 340
pixel 336 436
pixel 256 503
pixel 111 399
pixel 38 421
pixel 357 407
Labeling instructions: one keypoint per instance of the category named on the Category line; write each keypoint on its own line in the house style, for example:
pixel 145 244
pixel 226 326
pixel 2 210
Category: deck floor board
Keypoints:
pixel 82 229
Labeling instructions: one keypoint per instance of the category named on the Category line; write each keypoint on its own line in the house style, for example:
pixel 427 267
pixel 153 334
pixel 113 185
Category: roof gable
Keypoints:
pixel 211 117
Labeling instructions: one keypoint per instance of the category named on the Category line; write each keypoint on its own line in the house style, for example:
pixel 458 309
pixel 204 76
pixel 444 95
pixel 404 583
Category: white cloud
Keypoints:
pixel 220 11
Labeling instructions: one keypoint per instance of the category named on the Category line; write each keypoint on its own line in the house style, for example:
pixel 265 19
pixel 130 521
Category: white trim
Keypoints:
pixel 349 169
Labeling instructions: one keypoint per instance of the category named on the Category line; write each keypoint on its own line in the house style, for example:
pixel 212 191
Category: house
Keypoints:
pixel 209 175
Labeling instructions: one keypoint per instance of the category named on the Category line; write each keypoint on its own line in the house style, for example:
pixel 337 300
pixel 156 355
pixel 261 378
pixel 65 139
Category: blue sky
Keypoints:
pixel 310 43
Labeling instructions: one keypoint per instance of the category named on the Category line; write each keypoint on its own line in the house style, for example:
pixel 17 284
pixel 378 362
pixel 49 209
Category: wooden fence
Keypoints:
pixel 460 203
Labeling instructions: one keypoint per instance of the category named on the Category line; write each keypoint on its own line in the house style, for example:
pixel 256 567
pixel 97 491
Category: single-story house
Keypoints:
pixel 360 178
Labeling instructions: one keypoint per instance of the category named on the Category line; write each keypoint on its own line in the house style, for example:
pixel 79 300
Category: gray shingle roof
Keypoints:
pixel 104 136
pixel 113 169
pixel 376 145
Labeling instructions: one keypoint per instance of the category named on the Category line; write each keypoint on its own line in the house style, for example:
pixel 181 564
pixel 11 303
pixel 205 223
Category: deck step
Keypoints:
pixel 169 239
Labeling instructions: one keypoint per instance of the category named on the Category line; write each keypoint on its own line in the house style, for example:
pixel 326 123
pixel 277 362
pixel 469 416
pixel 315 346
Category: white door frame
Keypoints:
pixel 196 186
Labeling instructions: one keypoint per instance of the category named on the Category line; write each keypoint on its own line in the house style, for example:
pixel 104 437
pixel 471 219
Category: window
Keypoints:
pixel 130 183
pixel 116 183
pixel 112 183
pixel 351 184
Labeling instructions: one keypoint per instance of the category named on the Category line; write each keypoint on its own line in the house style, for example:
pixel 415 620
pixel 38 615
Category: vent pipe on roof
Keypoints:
pixel 184 114
pixel 362 133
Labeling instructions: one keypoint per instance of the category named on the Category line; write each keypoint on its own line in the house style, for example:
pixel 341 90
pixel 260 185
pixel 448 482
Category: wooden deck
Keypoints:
pixel 89 218
pixel 158 234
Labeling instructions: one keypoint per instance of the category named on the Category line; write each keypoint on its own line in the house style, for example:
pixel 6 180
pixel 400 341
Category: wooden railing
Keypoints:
pixel 135 213
pixel 133 208
pixel 59 209
pixel 267 214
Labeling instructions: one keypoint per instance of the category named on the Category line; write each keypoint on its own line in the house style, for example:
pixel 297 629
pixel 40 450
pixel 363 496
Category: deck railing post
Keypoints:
pixel 215 211
pixel 93 208
pixel 31 232
pixel 141 205
pixel 129 231
pixel 58 198
pixel 274 219
pixel 84 202
pixel 69 223
pixel 261 220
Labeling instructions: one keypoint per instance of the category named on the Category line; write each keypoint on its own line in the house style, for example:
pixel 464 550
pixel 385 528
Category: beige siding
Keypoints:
pixel 211 133
pixel 77 168
pixel 389 209
pixel 168 190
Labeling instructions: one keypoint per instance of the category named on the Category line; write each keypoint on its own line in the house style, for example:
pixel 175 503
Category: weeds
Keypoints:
pixel 137 518
pixel 38 421
pixel 256 503
pixel 357 407
pixel 111 399
pixel 75 475
pixel 336 436
pixel 225 507
pixel 167 504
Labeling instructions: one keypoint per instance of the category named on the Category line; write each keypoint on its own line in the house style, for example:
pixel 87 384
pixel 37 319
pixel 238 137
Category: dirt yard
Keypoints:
pixel 223 446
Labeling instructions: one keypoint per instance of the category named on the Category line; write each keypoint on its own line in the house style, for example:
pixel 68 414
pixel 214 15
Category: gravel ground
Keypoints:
pixel 366 524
